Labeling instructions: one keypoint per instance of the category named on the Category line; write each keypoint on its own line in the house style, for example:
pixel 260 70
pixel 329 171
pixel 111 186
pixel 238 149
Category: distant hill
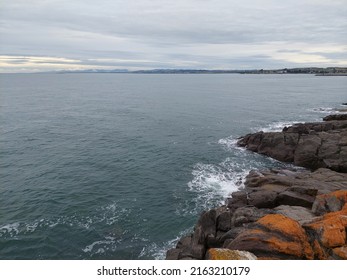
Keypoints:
pixel 93 71
pixel 328 71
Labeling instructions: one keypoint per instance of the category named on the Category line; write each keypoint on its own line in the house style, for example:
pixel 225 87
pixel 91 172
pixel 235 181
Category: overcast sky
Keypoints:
pixel 40 35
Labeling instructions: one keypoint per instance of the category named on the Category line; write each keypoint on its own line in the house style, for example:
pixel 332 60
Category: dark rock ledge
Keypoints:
pixel 310 145
pixel 282 214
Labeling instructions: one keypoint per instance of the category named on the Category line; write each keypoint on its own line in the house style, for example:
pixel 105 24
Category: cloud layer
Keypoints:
pixel 41 35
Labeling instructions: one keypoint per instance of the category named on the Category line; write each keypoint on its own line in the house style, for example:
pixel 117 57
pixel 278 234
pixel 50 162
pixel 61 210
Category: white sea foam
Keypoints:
pixel 100 246
pixel 324 110
pixel 9 229
pixel 16 228
pixel 275 126
pixel 109 215
pixel 32 227
pixel 211 184
pixel 214 178
pixel 229 143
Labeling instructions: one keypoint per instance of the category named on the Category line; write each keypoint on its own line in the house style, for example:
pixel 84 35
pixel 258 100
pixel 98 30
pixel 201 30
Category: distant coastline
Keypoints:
pixel 318 71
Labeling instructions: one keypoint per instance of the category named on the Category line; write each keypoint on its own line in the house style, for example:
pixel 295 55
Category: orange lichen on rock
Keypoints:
pixel 330 230
pixel 290 228
pixel 341 195
pixel 330 202
pixel 226 254
pixel 275 236
pixel 319 252
pixel 279 222
pixel 341 252
pixel 287 247
pixel 334 234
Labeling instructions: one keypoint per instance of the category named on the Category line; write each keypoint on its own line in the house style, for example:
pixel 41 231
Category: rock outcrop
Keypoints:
pixel 310 145
pixel 279 214
pixel 337 117
pixel 269 189
pixel 274 236
pixel 282 214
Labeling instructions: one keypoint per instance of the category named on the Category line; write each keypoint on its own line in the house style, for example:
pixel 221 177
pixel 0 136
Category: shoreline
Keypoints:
pixel 282 214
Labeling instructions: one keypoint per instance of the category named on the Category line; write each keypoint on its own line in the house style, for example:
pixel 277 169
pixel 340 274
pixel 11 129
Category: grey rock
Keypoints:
pixel 184 242
pixel 306 152
pixel 213 242
pixel 173 254
pixel 249 214
pixel 263 198
pixel 311 145
pixel 230 235
pixel 298 213
pixel 303 182
pixel 328 203
pixel 336 117
pixel 207 222
pixel 224 221
pixel 196 251
pixel 238 199
pixel 295 199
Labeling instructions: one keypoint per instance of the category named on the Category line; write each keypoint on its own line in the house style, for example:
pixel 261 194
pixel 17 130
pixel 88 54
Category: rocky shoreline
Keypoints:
pixel 282 214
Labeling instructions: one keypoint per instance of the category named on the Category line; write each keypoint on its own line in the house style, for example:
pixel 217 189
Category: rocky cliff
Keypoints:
pixel 282 214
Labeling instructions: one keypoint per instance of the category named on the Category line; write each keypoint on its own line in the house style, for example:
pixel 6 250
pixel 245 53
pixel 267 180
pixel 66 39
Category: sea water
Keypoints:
pixel 119 166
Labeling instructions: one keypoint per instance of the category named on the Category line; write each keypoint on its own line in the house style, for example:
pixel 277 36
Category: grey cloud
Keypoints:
pixel 161 29
pixel 288 51
pixel 193 21
pixel 331 55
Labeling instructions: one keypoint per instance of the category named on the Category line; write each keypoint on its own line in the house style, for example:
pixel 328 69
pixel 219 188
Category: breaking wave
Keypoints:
pixel 324 110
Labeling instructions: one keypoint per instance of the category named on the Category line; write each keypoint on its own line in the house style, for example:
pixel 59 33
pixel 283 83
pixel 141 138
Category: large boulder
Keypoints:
pixel 274 236
pixel 263 199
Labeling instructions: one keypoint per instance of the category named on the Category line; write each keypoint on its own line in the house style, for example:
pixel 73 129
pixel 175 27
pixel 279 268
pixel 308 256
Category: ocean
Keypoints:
pixel 119 166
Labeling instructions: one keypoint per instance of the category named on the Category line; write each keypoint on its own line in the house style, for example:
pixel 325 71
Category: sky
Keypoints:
pixel 49 35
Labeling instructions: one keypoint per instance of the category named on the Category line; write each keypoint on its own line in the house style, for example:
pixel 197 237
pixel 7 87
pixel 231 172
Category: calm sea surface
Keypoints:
pixel 118 166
